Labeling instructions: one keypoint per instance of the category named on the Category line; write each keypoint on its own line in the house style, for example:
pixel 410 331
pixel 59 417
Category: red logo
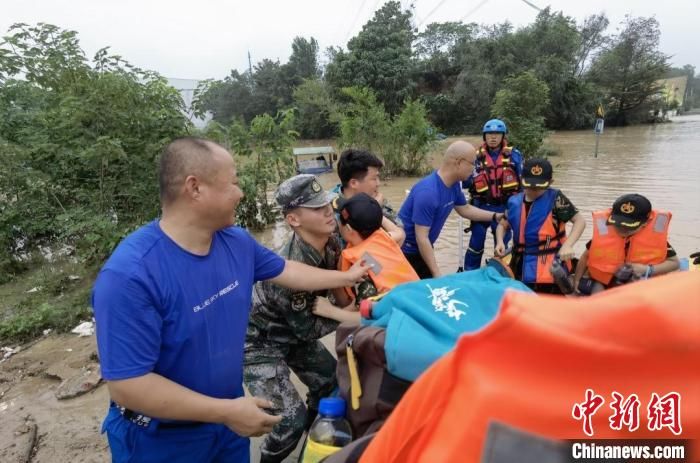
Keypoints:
pixel 662 412
pixel 665 412
pixel 585 410
pixel 626 412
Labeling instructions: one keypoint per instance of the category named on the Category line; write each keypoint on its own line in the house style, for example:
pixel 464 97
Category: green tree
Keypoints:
pixel 270 90
pixel 82 141
pixel 521 103
pixel 591 39
pixel 303 63
pixel 435 64
pixel 379 57
pixel 227 99
pixel 363 121
pixel 312 100
pixel 265 153
pixel 484 61
pixel 412 136
pixel 402 142
pixel 628 71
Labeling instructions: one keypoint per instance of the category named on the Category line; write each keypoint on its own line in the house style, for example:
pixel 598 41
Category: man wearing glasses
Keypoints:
pixel 430 202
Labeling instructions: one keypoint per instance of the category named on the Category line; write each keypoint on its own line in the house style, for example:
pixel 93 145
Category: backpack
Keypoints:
pixel 410 328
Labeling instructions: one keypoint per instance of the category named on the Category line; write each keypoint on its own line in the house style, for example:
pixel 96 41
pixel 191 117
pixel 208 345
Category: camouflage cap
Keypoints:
pixel 303 190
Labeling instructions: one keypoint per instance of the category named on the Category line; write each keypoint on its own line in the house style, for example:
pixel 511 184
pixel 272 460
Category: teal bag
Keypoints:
pixel 424 319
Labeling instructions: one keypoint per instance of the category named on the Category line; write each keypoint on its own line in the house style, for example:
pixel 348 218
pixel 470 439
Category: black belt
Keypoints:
pixel 142 420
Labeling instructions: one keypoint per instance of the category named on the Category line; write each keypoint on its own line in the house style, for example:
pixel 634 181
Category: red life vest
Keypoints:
pixel 389 265
pixel 495 181
pixel 609 251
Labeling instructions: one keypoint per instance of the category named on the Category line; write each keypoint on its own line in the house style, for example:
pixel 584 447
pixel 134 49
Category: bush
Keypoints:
pixel 80 143
pixel 521 103
pixel 402 142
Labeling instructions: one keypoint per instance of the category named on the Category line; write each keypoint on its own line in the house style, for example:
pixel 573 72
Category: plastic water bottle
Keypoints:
pixel 329 432
pixel 685 264
pixel 560 274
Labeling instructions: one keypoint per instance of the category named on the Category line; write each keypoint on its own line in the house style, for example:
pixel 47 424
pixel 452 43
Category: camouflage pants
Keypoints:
pixel 266 375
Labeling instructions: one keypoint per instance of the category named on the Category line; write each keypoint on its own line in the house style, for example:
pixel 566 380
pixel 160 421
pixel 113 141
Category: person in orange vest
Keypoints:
pixel 361 228
pixel 538 217
pixel 630 242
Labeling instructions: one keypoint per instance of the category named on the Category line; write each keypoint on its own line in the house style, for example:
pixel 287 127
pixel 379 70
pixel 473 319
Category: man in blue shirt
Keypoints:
pixel 171 306
pixel 496 178
pixel 430 202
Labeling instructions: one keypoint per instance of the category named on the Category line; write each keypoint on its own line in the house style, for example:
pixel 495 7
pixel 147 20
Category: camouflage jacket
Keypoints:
pixel 282 315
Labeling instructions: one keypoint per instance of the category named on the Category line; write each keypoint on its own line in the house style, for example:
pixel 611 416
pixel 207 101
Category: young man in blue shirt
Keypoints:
pixel 430 202
pixel 171 306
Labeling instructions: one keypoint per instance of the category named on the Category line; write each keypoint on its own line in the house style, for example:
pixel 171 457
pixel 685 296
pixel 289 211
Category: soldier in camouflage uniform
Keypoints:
pixel 359 173
pixel 283 333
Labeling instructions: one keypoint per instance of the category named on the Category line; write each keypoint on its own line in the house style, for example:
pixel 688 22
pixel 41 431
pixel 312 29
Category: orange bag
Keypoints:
pixel 530 367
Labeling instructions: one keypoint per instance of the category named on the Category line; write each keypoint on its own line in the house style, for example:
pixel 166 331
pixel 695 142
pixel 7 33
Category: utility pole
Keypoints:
pixel 250 64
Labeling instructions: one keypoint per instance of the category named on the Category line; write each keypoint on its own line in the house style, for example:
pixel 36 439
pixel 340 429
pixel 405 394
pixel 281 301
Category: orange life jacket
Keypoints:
pixel 531 366
pixel 495 181
pixel 609 251
pixel 535 235
pixel 389 266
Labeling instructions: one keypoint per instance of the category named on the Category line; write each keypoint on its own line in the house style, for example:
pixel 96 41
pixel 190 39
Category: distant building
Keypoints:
pixel 674 89
pixel 186 87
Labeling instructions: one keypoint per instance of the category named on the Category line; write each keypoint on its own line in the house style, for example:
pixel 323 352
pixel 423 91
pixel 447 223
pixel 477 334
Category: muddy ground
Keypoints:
pixel 37 425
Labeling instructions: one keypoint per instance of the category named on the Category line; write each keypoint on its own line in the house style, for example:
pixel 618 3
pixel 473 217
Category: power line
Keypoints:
pixel 354 21
pixel 473 10
pixel 532 5
pixel 440 3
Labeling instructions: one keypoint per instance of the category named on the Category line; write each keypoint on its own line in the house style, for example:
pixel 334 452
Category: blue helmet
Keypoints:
pixel 494 126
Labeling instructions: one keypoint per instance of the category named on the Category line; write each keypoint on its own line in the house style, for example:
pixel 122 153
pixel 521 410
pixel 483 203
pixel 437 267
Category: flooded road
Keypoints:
pixel 660 161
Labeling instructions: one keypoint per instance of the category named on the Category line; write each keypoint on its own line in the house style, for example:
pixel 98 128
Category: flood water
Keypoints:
pixel 660 161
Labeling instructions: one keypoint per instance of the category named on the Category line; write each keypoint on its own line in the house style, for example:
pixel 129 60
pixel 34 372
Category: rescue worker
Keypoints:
pixel 630 242
pixel 283 332
pixel 430 202
pixel 538 217
pixel 496 178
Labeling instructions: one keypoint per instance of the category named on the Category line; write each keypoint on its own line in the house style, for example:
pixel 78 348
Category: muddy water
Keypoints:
pixel 659 161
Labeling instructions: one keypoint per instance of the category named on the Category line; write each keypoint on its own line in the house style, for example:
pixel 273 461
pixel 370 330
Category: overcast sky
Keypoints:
pixel 206 38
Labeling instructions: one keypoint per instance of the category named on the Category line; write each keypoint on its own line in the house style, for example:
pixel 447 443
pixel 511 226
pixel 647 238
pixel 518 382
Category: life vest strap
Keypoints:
pixel 534 248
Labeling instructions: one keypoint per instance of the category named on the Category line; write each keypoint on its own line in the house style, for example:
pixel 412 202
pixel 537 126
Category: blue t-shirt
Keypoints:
pixel 161 309
pixel 429 204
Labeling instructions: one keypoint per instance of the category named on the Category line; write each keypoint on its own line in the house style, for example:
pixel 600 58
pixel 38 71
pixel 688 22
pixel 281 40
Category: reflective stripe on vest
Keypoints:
pixel 607 251
pixel 495 178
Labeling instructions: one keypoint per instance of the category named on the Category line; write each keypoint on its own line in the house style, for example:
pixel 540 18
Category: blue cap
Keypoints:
pixel 332 406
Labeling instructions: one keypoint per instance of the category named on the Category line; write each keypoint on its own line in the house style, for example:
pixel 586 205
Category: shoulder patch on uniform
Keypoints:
pixel 298 301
